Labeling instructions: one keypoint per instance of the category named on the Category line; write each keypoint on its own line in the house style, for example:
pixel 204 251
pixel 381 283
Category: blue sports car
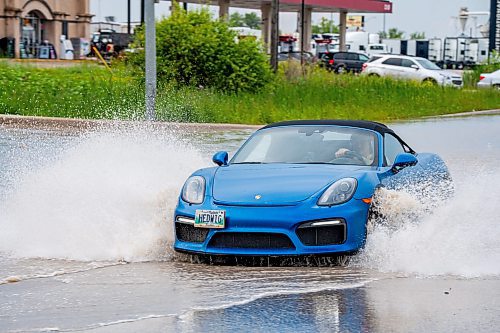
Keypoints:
pixel 297 188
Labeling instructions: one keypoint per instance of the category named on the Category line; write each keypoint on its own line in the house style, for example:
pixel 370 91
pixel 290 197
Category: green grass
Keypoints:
pixel 87 91
pixel 92 92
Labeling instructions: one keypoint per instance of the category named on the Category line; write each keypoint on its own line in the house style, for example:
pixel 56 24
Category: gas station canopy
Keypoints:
pixel 354 6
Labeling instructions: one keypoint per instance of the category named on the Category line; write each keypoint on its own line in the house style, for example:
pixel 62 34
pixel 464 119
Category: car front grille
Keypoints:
pixel 311 235
pixel 251 240
pixel 188 233
pixel 457 82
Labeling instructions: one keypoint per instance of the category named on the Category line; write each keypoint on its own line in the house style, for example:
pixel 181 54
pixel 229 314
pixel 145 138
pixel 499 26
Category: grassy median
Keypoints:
pixel 91 92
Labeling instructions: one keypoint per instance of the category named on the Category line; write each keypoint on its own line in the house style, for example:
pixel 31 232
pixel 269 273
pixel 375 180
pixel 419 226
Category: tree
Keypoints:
pixel 324 26
pixel 252 21
pixel 195 50
pixel 394 33
pixel 236 20
pixel 417 35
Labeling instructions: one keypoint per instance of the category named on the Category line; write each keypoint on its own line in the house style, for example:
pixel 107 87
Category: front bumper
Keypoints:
pixel 281 223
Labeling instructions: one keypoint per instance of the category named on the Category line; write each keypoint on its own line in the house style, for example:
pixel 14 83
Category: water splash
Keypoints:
pixel 107 197
pixel 109 194
pixel 460 237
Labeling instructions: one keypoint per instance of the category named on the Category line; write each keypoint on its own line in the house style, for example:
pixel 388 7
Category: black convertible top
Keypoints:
pixel 371 125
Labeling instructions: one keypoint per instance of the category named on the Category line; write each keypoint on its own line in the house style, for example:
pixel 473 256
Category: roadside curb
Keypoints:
pixel 466 114
pixel 88 124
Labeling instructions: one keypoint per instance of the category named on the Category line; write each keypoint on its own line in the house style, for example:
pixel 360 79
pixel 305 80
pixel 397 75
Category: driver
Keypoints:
pixel 361 149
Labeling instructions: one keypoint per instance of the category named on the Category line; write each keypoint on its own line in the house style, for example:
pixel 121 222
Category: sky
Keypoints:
pixel 437 18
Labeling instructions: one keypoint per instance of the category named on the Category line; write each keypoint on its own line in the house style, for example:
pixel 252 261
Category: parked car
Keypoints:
pixel 296 55
pixel 297 188
pixel 341 62
pixel 489 80
pixel 411 68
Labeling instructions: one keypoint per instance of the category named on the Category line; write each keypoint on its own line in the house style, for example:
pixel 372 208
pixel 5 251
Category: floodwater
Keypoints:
pixel 85 242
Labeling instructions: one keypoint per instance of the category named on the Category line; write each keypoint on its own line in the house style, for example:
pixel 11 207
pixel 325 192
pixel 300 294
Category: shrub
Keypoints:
pixel 195 50
pixel 492 64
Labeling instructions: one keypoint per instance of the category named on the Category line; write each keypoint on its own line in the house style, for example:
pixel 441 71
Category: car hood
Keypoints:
pixel 447 73
pixel 274 184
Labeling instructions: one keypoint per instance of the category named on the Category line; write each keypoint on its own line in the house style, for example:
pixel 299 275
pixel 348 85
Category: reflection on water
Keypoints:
pixel 343 310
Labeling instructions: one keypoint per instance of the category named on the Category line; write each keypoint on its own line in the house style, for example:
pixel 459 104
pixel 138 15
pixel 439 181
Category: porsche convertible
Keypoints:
pixel 297 188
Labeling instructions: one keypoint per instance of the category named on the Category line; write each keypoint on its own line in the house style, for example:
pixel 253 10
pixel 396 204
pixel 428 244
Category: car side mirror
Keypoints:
pixel 402 161
pixel 220 158
pixel 415 67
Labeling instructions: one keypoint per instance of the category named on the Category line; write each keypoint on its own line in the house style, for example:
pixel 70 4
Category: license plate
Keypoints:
pixel 210 219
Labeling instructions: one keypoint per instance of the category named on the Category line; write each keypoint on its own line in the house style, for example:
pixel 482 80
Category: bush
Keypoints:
pixel 194 50
pixel 492 64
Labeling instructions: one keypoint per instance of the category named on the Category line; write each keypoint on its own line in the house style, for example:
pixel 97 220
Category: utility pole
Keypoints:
pixel 275 16
pixel 383 25
pixel 302 34
pixel 150 46
pixel 142 12
pixel 128 17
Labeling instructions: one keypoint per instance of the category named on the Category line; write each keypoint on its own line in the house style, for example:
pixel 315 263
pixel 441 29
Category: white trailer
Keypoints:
pixel 456 53
pixel 436 50
pixel 411 47
pixel 478 50
pixel 393 45
pixel 376 48
pixel 358 41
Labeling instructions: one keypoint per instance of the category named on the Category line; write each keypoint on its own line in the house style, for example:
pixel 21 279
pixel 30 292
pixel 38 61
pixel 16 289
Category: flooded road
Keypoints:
pixel 85 242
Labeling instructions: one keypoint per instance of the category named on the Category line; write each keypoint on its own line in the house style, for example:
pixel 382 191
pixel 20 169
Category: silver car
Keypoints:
pixel 410 68
pixel 489 80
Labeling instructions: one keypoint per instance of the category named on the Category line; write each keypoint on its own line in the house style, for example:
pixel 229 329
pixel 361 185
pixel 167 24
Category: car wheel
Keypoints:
pixel 373 75
pixel 429 81
pixel 340 70
pixel 496 86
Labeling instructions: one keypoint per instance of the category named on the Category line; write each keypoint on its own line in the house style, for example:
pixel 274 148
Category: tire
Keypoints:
pixel 429 81
pixel 496 86
pixel 373 75
pixel 340 70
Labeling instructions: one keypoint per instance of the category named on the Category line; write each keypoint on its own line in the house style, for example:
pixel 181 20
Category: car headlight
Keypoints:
pixel 194 190
pixel 339 192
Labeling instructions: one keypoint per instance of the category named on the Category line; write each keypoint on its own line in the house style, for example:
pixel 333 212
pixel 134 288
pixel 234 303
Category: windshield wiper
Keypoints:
pixel 248 163
pixel 311 163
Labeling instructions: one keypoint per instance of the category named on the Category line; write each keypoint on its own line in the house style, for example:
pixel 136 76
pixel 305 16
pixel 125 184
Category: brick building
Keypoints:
pixel 26 24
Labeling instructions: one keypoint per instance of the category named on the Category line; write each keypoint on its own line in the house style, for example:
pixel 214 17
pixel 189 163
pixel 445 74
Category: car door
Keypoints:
pixel 391 67
pixel 410 70
pixel 352 61
pixel 340 60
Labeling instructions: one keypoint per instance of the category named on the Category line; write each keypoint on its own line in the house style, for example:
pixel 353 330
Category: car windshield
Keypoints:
pixel 310 144
pixel 427 64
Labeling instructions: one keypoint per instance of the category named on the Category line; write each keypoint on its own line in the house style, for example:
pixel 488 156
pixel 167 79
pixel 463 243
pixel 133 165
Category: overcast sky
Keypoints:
pixel 434 17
